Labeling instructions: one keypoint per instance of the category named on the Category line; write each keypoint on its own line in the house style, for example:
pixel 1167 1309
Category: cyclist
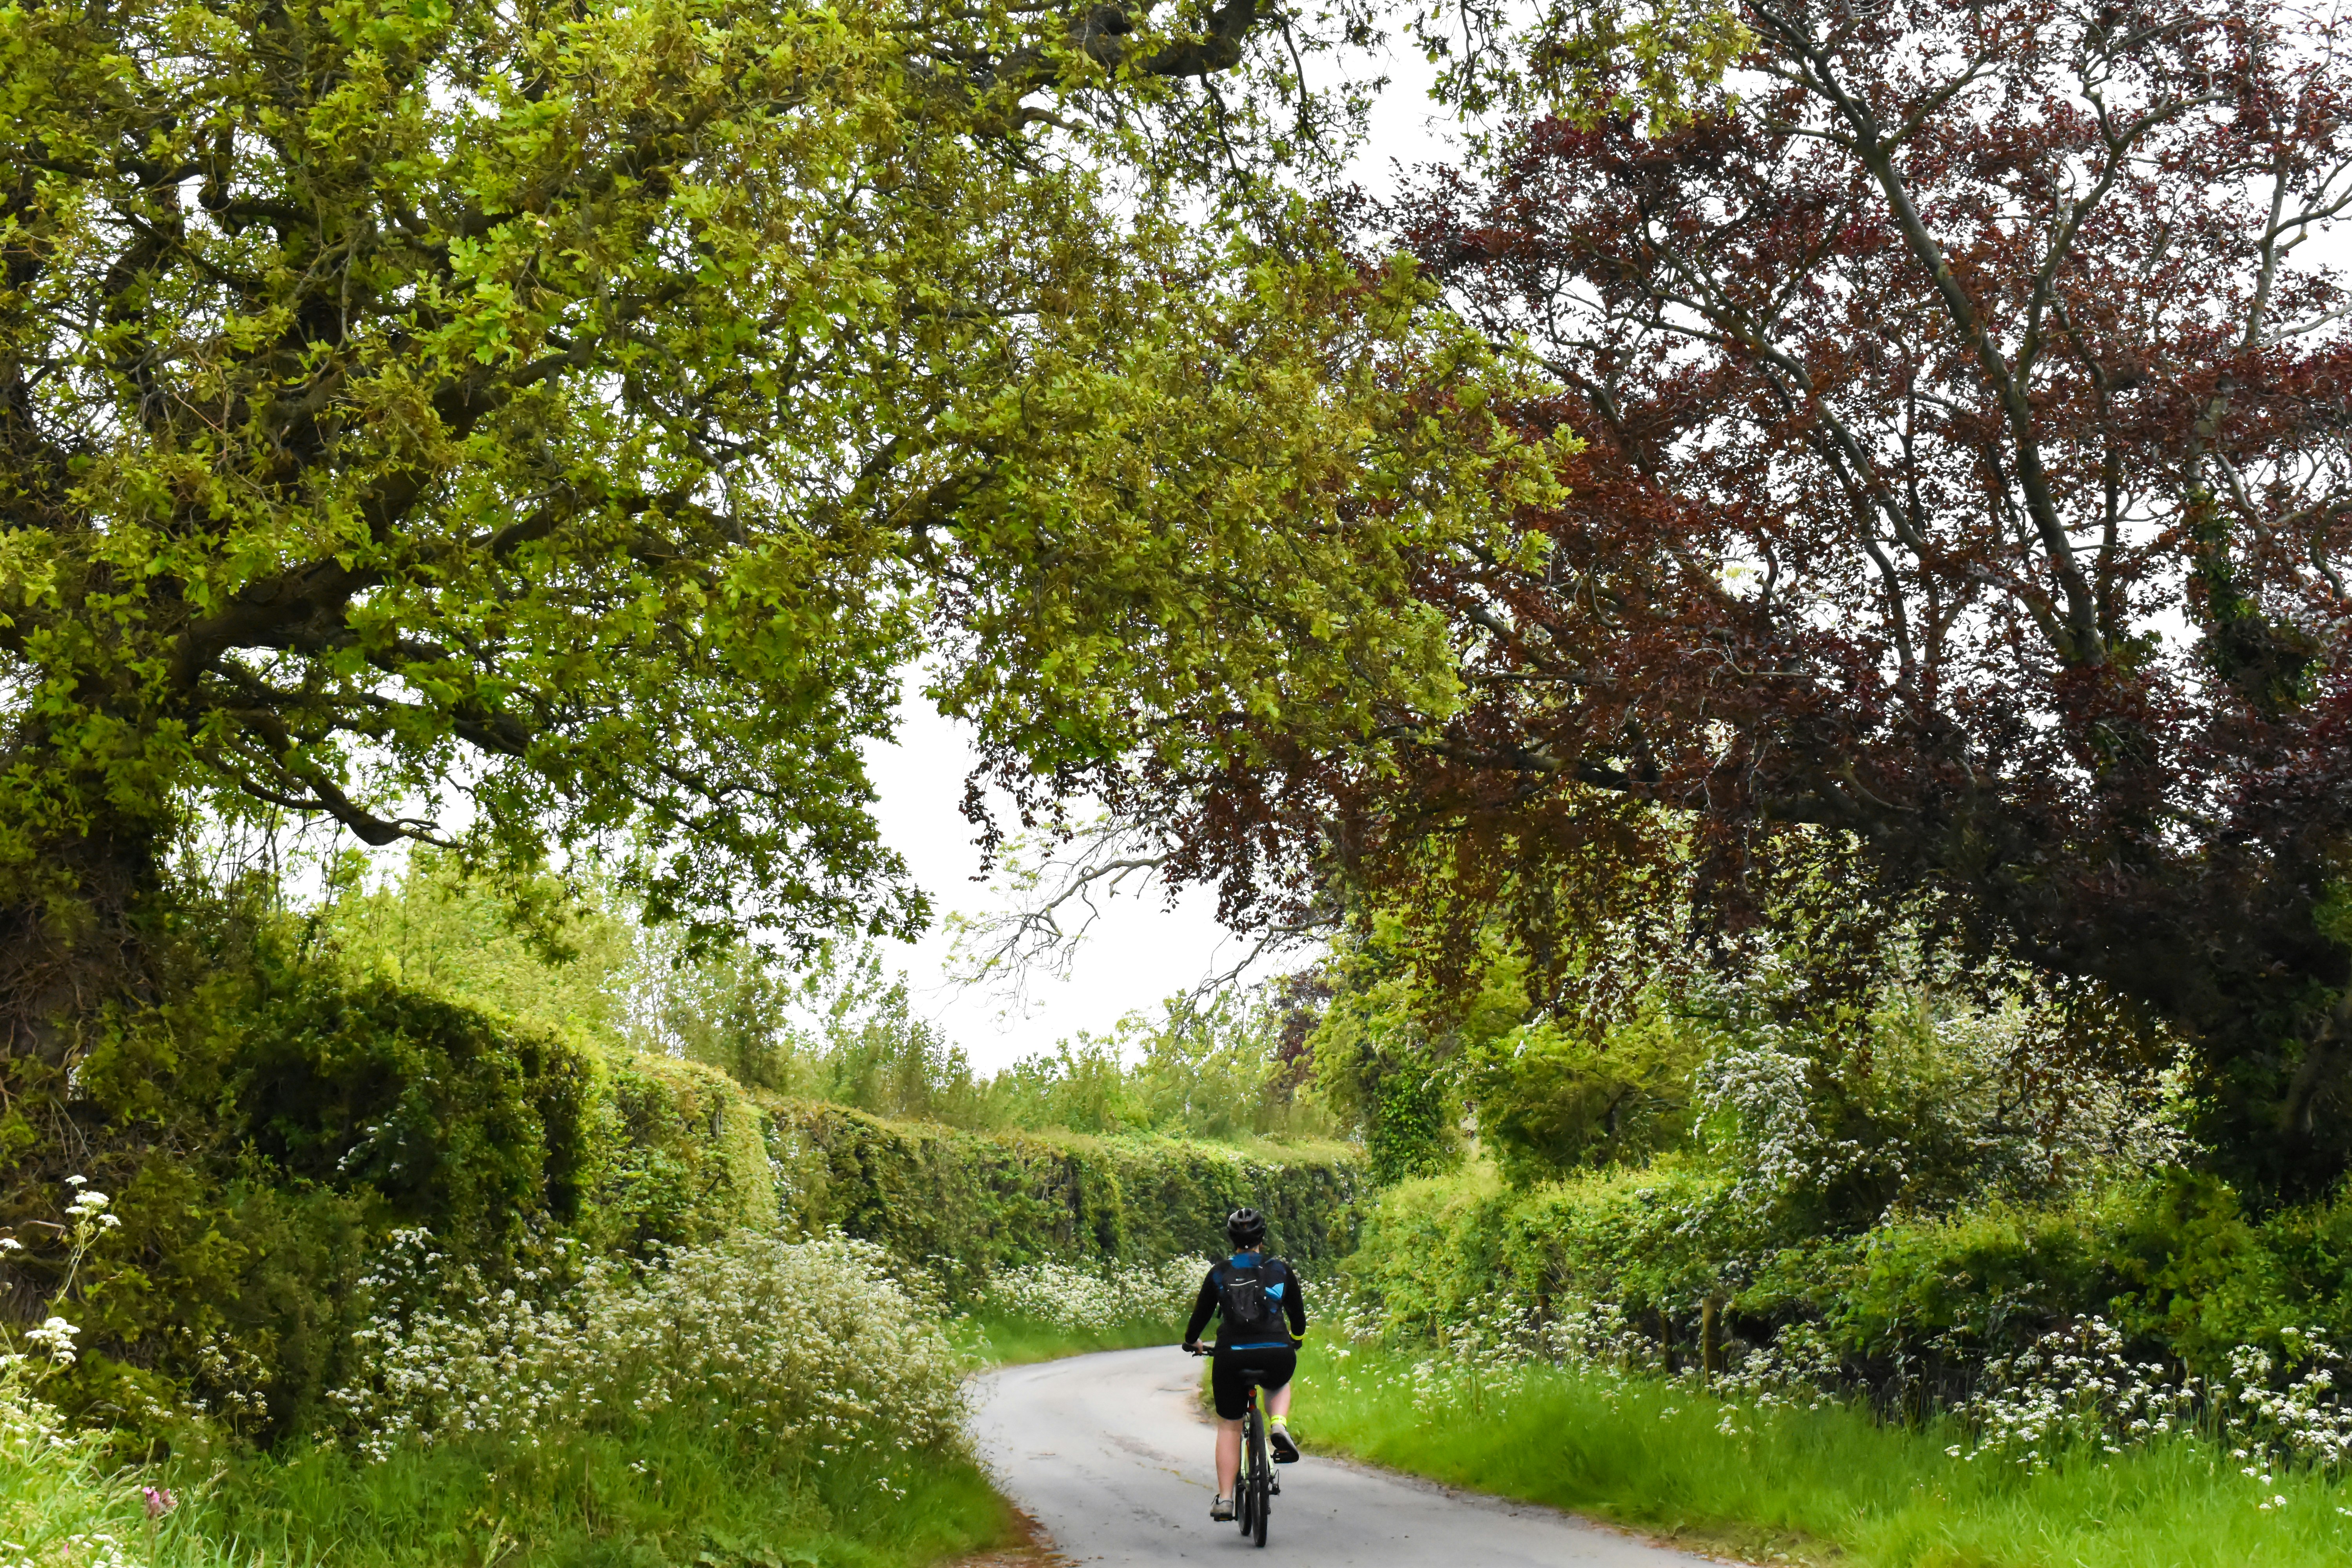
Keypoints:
pixel 1261 1316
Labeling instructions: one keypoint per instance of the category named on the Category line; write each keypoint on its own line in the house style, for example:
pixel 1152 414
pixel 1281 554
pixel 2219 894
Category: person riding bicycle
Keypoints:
pixel 1261 1314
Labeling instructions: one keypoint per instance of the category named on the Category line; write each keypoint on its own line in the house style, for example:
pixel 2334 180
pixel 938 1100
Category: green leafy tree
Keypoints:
pixel 435 930
pixel 1415 1047
pixel 1388 1050
pixel 1080 1086
pixel 1214 1067
pixel 1551 1100
pixel 538 429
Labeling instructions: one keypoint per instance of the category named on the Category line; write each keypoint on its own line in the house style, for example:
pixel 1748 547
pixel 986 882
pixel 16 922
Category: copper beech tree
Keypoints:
pixel 1960 533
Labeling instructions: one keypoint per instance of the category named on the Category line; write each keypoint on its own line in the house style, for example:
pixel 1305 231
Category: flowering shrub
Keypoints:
pixel 1946 1114
pixel 1080 1299
pixel 802 1349
pixel 2074 1385
pixel 87 1220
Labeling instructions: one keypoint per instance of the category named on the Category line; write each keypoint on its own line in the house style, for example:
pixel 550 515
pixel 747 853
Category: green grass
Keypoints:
pixel 996 1339
pixel 584 1504
pixel 1826 1484
pixel 669 1497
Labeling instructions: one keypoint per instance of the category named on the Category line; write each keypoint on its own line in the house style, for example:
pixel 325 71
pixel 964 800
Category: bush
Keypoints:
pixel 446 1117
pixel 1155 1295
pixel 1551 1100
pixel 782 1351
pixel 1433 1250
pixel 755 1402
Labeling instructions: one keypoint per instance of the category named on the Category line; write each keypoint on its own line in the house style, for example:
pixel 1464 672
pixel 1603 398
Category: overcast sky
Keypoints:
pixel 1141 951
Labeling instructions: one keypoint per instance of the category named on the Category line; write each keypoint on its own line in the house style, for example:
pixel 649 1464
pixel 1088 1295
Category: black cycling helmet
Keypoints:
pixel 1246 1227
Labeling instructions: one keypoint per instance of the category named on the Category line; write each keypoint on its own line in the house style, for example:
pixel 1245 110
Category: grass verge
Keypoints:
pixel 667 1496
pixel 595 1501
pixel 998 1339
pixel 1793 1485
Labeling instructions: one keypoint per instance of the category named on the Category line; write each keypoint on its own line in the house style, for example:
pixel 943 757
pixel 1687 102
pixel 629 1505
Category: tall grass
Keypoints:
pixel 1792 1483
pixel 751 1401
pixel 664 1495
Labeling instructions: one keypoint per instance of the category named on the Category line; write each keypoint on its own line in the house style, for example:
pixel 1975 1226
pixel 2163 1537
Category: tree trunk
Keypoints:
pixel 76 929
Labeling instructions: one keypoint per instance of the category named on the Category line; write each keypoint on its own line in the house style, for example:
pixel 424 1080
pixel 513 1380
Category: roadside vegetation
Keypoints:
pixel 440 1265
pixel 1877 1289
pixel 753 1400
pixel 1814 810
pixel 1812 1481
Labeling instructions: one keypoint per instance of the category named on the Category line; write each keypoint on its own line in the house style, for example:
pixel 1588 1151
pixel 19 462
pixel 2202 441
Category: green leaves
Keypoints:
pixel 552 431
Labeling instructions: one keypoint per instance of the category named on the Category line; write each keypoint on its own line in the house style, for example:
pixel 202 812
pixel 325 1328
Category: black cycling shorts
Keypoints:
pixel 1274 1368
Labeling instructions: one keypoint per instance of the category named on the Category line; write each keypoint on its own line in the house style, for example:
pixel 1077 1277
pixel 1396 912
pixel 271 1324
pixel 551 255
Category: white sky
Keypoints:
pixel 1141 951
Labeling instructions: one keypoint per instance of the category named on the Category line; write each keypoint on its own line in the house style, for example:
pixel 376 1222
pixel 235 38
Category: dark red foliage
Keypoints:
pixel 1957 530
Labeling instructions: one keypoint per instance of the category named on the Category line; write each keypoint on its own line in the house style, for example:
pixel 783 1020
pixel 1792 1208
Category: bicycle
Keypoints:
pixel 1255 1483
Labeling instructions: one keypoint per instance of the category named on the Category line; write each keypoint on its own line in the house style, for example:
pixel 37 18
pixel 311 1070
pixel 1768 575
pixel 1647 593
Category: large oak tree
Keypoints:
pixel 530 426
pixel 1959 535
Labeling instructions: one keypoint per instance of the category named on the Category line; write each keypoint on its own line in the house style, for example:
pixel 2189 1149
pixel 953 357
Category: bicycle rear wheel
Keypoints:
pixel 1244 1492
pixel 1260 1481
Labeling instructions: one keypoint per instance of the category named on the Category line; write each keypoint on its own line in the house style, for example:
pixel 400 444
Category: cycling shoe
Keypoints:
pixel 1285 1452
pixel 1222 1510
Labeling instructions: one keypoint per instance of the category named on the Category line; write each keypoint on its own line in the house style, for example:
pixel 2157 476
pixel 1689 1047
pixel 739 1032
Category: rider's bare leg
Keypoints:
pixel 1229 1456
pixel 1277 1403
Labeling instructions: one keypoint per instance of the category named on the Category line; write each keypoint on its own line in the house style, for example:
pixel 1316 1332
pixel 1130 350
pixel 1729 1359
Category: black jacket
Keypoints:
pixel 1281 1282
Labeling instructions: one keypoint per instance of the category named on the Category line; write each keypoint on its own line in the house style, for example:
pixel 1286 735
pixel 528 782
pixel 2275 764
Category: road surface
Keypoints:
pixel 1111 1454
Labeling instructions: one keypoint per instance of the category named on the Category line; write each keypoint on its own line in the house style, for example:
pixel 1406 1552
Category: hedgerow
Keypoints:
pixel 2125 1311
pixel 265 1135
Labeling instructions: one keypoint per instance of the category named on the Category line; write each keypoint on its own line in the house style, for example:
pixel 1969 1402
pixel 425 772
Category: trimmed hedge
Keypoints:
pixel 973 1202
pixel 962 1204
pixel 260 1140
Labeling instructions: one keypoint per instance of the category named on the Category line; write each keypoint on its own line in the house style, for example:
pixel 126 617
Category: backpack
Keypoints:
pixel 1250 1310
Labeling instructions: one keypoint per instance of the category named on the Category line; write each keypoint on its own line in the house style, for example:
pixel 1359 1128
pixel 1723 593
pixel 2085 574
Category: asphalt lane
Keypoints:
pixel 1111 1454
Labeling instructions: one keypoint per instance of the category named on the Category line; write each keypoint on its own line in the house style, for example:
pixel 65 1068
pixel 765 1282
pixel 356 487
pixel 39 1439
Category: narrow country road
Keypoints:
pixel 1111 1455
